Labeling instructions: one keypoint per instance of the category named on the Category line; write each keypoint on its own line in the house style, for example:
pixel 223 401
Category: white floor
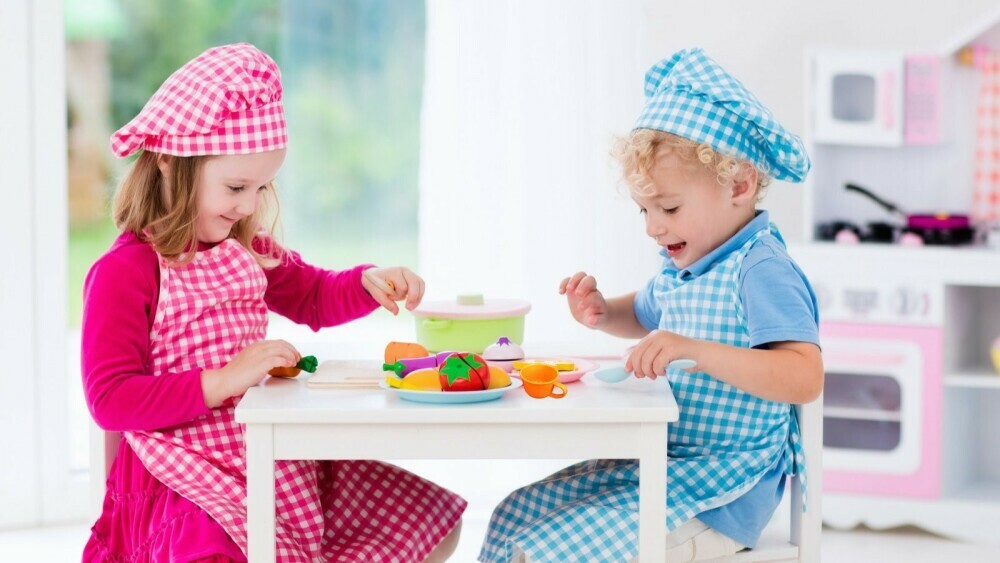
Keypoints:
pixel 64 544
pixel 484 484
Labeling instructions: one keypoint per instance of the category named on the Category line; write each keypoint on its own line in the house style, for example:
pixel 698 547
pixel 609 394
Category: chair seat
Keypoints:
pixel 804 528
pixel 773 546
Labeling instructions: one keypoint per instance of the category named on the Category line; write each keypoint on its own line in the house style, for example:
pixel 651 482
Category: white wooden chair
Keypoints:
pixel 802 543
pixel 103 449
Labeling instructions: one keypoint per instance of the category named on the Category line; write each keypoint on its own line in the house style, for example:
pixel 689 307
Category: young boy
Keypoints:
pixel 730 298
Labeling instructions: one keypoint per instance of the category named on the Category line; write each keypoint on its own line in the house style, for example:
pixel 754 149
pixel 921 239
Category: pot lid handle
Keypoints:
pixel 470 299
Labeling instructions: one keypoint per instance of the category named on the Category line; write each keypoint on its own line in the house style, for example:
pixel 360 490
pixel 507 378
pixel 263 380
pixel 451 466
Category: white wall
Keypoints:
pixel 762 43
pixel 522 100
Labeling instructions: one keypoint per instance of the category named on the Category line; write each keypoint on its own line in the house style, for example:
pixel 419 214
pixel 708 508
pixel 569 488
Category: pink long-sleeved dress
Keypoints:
pixel 144 519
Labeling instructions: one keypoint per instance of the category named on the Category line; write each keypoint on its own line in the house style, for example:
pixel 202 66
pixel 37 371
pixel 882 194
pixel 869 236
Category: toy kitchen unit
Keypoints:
pixel 904 197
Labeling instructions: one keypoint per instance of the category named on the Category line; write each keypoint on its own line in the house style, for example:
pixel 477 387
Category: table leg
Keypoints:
pixel 653 493
pixel 260 492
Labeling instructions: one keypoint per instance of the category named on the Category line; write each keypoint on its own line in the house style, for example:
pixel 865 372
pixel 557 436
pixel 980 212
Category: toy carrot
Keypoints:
pixel 308 363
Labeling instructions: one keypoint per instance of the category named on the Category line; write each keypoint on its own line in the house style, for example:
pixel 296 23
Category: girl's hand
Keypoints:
pixel 388 285
pixel 586 303
pixel 649 358
pixel 246 369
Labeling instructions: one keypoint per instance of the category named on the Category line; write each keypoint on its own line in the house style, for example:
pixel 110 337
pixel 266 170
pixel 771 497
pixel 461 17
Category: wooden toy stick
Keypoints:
pixel 384 285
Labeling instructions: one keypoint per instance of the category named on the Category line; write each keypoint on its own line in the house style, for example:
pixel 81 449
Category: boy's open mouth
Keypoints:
pixel 675 248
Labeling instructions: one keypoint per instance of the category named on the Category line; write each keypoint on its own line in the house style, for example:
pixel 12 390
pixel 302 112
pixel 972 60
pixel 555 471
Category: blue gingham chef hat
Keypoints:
pixel 693 97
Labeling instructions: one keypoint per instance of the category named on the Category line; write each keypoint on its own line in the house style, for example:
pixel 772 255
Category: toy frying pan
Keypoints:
pixel 918 221
pixel 932 228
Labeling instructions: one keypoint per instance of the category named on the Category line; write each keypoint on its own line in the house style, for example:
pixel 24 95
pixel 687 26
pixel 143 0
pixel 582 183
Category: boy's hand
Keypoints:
pixel 649 358
pixel 586 303
pixel 388 285
pixel 246 369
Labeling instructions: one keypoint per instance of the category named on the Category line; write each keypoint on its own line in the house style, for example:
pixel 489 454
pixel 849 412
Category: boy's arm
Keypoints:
pixel 621 320
pixel 789 372
pixel 783 362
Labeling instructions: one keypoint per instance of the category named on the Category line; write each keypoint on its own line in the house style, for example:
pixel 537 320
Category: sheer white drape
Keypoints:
pixel 522 101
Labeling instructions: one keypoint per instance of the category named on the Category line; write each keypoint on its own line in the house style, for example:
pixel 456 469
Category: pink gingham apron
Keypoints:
pixel 208 311
pixel 986 174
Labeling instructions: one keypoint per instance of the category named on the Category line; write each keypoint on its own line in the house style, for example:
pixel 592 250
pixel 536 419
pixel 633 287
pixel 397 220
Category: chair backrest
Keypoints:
pixel 103 449
pixel 801 545
pixel 807 527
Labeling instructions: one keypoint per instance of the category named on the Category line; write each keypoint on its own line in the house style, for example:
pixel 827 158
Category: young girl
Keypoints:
pixel 729 297
pixel 173 334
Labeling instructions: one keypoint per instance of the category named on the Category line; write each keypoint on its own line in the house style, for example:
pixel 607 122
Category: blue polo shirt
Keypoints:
pixel 780 306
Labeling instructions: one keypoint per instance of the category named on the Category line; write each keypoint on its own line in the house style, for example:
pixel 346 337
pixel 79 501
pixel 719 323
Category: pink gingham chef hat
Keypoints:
pixel 225 101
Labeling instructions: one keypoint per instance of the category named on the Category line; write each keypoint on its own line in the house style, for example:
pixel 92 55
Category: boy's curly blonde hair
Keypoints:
pixel 638 151
pixel 164 213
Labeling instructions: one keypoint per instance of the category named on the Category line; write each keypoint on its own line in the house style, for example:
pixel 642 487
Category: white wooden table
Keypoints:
pixel 287 420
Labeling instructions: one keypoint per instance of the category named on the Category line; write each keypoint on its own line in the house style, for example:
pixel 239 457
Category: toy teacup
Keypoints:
pixel 540 381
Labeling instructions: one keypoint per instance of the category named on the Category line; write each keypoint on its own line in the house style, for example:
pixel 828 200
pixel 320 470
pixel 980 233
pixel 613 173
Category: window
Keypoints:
pixel 353 77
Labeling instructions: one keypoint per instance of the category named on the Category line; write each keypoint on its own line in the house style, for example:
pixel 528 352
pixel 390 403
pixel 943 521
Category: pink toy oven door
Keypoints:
pixel 882 412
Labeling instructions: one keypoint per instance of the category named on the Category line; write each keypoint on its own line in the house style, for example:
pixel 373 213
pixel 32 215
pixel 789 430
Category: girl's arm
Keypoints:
pixel 120 295
pixel 316 297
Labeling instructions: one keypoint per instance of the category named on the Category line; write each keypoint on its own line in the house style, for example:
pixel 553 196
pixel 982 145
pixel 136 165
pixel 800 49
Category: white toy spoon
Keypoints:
pixel 615 374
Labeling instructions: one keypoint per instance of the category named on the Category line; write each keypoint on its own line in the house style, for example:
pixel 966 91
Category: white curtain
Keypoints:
pixel 522 101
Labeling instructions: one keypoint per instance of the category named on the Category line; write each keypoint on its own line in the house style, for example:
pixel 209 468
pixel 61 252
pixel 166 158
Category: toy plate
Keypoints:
pixel 583 367
pixel 452 397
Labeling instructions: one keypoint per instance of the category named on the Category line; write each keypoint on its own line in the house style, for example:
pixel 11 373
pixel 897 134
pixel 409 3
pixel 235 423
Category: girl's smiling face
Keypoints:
pixel 229 188
pixel 689 213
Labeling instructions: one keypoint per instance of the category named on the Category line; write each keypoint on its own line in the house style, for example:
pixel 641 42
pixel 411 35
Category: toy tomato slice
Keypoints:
pixel 464 371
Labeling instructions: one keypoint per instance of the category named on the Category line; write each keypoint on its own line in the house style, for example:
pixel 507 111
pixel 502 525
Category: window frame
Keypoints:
pixel 34 398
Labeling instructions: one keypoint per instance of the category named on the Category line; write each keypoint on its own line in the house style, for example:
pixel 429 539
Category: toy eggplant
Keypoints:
pixel 403 366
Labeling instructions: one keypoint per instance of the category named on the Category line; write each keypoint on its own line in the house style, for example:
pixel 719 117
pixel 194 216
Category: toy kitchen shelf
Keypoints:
pixel 887 293
pixel 906 330
pixel 962 283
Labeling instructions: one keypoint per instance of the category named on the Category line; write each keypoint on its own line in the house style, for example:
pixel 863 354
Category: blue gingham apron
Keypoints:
pixel 723 443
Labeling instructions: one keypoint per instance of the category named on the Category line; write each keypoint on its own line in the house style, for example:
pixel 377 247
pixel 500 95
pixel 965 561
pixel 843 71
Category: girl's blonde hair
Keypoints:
pixel 163 213
pixel 637 154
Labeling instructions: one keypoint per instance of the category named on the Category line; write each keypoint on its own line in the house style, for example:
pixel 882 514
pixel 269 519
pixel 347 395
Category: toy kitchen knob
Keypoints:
pixel 905 301
pixel 995 354
pixel 824 297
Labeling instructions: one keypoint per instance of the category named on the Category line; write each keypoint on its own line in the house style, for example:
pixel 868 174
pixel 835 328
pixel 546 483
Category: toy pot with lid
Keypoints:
pixel 470 323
